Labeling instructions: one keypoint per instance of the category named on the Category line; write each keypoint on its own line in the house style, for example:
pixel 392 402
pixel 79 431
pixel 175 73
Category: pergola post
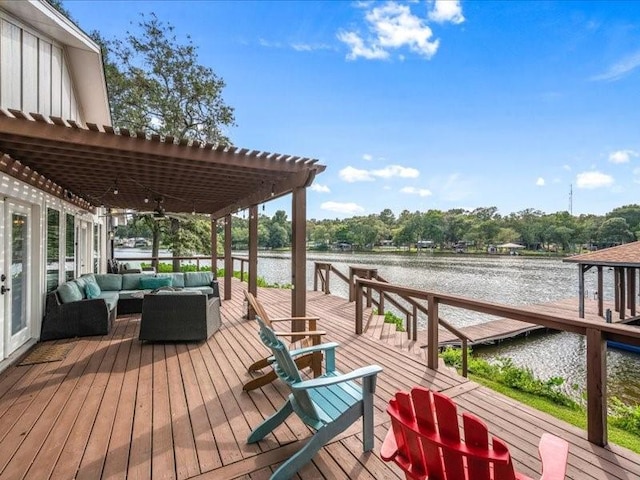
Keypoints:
pixel 228 261
pixel 299 254
pixel 253 250
pixel 616 289
pixel 214 245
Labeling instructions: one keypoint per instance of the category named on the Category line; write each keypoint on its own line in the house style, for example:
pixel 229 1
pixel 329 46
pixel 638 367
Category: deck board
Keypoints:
pixel 116 408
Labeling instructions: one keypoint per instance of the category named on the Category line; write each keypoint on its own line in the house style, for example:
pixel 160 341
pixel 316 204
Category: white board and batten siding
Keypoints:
pixel 34 75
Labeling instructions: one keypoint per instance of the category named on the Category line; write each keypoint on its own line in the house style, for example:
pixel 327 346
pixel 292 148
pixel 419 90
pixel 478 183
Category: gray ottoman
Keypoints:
pixel 179 316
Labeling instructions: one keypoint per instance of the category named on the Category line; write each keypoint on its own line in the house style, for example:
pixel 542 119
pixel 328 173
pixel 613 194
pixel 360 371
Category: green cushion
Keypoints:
pixel 82 283
pixel 147 282
pixel 197 279
pixel 92 289
pixel 131 281
pixel 177 278
pixel 109 281
pixel 69 292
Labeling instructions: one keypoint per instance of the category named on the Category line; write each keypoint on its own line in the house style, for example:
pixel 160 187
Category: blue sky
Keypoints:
pixel 419 105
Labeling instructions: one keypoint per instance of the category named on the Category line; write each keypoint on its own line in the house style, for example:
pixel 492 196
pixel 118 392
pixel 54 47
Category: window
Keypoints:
pixel 70 248
pixel 53 249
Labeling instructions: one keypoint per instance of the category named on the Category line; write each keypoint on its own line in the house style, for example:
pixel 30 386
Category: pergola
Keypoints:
pixel 87 164
pixel 625 261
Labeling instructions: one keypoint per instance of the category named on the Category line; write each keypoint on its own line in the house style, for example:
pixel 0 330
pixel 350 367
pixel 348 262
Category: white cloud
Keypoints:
pixel 359 49
pixel 622 156
pixel 540 182
pixel 620 69
pixel 348 208
pixel 446 11
pixel 422 192
pixel 367 157
pixel 317 187
pixel 594 179
pixel 390 26
pixel 396 171
pixel 567 168
pixel 351 175
pixel 310 47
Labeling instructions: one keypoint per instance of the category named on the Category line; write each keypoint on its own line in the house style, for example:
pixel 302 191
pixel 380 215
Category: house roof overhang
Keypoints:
pixel 85 164
pixel 82 53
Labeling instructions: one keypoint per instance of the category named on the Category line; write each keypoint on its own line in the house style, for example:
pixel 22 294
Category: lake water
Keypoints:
pixel 512 280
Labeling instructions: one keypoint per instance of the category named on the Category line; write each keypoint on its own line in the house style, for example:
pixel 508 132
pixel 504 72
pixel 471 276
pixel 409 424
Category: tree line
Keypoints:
pixel 480 228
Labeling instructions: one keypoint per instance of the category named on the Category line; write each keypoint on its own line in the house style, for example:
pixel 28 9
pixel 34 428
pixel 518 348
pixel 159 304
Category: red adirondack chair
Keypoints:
pixel 424 441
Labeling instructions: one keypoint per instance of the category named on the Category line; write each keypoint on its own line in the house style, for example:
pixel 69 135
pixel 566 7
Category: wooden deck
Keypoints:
pixel 116 408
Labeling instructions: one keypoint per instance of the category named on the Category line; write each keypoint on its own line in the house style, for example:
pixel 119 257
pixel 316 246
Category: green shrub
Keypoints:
pixel 504 371
pixel 390 317
pixel 624 416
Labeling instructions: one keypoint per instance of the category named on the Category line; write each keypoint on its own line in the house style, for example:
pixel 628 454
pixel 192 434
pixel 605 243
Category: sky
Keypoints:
pixel 424 105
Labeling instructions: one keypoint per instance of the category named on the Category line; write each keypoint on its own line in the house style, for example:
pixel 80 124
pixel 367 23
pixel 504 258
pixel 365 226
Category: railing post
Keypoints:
pixel 315 276
pixel 359 309
pixel 596 387
pixel 368 277
pixel 465 362
pixel 198 264
pixel 414 323
pixel 326 280
pixel 432 333
pixel 351 285
pixel 381 302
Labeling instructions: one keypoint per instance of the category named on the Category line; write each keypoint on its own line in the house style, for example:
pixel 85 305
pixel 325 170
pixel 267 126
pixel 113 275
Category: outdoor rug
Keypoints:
pixel 47 353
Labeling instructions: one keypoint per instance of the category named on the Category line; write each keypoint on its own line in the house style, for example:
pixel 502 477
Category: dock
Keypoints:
pixel 504 328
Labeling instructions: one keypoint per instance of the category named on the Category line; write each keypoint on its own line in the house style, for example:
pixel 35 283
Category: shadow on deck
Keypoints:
pixel 118 408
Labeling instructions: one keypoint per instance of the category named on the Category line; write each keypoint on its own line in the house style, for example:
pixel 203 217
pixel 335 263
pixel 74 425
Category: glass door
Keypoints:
pixel 15 276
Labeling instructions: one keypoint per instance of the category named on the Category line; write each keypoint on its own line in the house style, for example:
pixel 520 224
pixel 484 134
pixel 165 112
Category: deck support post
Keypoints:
pixel 596 387
pixel 432 333
pixel 228 261
pixel 616 288
pixel 253 253
pixel 299 255
pixel 600 292
pixel 214 245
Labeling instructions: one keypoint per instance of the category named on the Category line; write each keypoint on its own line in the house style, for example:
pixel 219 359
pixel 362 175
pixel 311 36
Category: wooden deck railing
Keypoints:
pixel 323 270
pixel 596 336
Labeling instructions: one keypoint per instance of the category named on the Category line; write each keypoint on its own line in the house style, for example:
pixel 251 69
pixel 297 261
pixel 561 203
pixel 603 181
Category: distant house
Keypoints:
pixel 48 66
pixel 424 244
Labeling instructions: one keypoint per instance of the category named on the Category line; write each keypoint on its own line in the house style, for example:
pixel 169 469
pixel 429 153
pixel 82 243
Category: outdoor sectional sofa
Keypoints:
pixel 69 313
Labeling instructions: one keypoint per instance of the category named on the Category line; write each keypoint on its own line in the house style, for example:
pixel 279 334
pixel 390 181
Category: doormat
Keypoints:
pixel 47 353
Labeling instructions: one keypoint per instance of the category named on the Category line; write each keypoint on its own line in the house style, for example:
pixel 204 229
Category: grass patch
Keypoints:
pixel 390 317
pixel 520 384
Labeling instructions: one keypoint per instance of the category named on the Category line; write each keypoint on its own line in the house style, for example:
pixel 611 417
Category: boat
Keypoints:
pixel 623 346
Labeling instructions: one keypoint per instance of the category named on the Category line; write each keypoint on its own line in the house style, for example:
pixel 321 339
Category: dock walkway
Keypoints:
pixel 505 328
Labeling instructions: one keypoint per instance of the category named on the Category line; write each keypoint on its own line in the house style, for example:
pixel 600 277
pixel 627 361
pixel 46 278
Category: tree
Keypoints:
pixel 614 231
pixel 155 84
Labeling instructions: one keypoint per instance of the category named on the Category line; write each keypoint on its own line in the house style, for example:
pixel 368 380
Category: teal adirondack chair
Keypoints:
pixel 329 404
